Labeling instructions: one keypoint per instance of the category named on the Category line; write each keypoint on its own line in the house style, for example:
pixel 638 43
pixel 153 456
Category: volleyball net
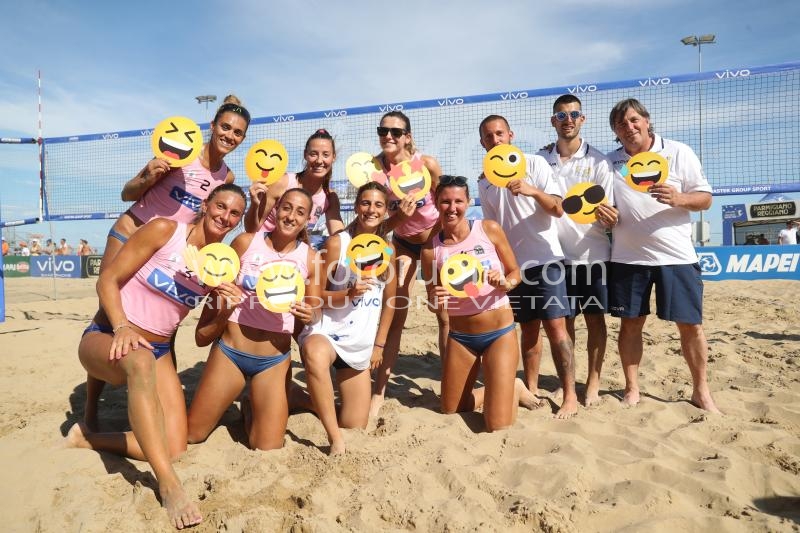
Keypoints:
pixel 743 123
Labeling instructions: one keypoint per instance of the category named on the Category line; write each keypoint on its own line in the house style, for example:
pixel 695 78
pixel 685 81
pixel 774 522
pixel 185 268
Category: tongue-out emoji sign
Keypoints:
pixel 644 170
pixel 178 140
pixel 266 161
pixel 462 275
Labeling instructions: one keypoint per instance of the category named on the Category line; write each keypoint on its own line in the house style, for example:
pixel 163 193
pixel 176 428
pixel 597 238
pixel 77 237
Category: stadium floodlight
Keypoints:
pixel 694 40
pixel 206 98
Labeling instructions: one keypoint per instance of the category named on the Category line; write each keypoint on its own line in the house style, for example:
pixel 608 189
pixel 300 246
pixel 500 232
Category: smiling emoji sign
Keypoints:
pixel 462 275
pixel 645 170
pixel 178 140
pixel 582 200
pixel 410 177
pixel 266 161
pixel 213 264
pixel 363 167
pixel 504 163
pixel 368 255
pixel 279 286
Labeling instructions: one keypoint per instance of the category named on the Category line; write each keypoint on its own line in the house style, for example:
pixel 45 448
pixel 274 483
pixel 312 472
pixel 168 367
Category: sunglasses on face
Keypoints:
pixel 593 195
pixel 561 116
pixel 396 132
pixel 458 181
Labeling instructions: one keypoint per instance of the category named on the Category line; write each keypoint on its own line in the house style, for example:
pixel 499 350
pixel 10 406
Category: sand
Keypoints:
pixel 663 465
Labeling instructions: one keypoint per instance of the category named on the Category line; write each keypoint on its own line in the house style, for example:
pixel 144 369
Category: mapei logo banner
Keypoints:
pixel 719 263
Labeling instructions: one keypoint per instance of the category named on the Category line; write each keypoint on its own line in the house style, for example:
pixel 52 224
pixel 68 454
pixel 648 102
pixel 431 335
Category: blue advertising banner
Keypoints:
pixel 2 292
pixel 62 266
pixel 749 262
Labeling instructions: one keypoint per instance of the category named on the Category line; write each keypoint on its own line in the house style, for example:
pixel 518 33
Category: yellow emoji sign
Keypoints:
pixel 645 170
pixel 279 286
pixel 504 163
pixel 462 275
pixel 213 264
pixel 582 200
pixel 410 177
pixel 266 161
pixel 362 167
pixel 368 255
pixel 177 140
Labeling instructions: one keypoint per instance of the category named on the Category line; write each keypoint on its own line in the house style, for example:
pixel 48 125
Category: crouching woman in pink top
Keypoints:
pixel 482 333
pixel 144 294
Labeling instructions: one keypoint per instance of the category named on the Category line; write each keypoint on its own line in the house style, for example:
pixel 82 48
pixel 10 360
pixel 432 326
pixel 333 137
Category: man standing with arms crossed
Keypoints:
pixel 586 247
pixel 524 209
pixel 652 246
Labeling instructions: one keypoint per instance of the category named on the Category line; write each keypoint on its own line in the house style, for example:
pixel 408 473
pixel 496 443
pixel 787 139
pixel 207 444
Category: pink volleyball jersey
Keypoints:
pixel 163 291
pixel 179 193
pixel 424 217
pixel 484 296
pixel 319 205
pixel 250 312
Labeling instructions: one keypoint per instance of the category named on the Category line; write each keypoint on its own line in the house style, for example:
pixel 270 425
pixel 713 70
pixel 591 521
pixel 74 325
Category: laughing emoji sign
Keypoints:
pixel 279 286
pixel 213 264
pixel 368 255
pixel 178 140
pixel 462 275
pixel 645 170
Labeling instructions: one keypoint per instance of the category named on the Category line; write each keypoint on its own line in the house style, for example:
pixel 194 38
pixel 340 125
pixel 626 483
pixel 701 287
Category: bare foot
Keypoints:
pixel 704 401
pixel 631 398
pixel 568 409
pixel 526 398
pixel 375 405
pixel 76 436
pixel 337 447
pixel 181 511
pixel 592 395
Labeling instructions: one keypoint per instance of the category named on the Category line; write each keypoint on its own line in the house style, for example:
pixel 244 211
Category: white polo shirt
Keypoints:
pixel 530 229
pixel 649 232
pixel 582 243
pixel 787 236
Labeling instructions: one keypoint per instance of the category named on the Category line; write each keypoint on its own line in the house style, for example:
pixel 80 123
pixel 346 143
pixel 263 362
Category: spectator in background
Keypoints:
pixel 786 236
pixel 5 246
pixel 762 239
pixel 23 249
pixel 49 247
pixel 36 247
pixel 84 248
pixel 64 248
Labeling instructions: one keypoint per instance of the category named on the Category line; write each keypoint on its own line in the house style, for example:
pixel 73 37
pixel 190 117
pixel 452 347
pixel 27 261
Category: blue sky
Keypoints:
pixel 113 66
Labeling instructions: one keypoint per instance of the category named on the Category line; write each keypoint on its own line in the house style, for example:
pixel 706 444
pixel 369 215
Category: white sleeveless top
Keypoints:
pixel 350 328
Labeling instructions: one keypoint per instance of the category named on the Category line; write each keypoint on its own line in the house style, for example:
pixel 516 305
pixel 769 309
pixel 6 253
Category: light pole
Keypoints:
pixel 206 98
pixel 694 40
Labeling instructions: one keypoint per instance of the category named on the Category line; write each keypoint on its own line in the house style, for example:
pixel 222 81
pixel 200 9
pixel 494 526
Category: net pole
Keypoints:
pixel 42 189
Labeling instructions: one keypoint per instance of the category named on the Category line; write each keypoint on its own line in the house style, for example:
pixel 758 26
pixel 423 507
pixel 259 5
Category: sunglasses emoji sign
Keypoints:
pixel 462 275
pixel 363 167
pixel 582 200
pixel 504 163
pixel 266 161
pixel 178 140
pixel 645 170
pixel 213 264
pixel 368 255
pixel 279 286
pixel 410 177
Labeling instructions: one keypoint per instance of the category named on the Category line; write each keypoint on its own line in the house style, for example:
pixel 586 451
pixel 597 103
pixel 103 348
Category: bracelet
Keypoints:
pixel 117 328
pixel 379 345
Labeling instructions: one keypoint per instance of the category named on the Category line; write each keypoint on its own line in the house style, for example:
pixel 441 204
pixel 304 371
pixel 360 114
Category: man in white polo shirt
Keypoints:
pixel 586 247
pixel 652 246
pixel 525 209
pixel 789 234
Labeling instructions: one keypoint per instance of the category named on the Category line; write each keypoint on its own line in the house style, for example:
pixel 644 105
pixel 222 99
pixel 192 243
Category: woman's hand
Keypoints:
pixel 125 339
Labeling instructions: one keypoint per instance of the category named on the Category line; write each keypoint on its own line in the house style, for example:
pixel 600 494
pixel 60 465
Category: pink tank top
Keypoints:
pixel 163 291
pixel 178 194
pixel 250 312
pixel 319 205
pixel 423 218
pixel 479 245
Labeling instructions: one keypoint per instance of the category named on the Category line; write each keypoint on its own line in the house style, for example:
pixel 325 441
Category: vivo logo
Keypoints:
pixel 162 282
pixel 107 136
pixel 743 73
pixel 390 107
pixel 450 101
pixel 514 96
pixel 46 265
pixel 582 89
pixel 145 133
pixel 657 81
pixel 283 118
pixel 366 302
pixel 339 113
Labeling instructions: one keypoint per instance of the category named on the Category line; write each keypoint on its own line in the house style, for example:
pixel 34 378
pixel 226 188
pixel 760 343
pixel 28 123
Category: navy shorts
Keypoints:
pixel 587 288
pixel 542 294
pixel 679 292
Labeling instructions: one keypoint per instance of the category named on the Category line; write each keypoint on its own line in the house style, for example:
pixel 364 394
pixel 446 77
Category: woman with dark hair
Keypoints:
pixel 315 178
pixel 144 294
